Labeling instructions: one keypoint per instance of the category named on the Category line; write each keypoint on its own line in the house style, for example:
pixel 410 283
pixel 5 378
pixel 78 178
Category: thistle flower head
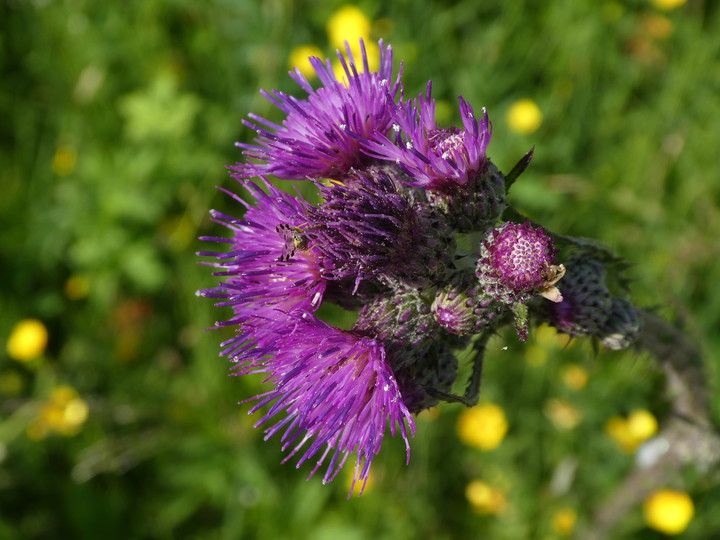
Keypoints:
pixel 517 259
pixel 262 283
pixel 434 157
pixel 319 136
pixel 337 392
pixel 395 190
pixel 368 226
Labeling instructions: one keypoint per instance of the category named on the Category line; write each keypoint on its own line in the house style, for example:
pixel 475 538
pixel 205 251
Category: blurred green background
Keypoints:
pixel 117 120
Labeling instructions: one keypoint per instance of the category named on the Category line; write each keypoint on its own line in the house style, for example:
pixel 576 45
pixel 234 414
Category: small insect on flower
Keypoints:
pixel 294 241
pixel 552 274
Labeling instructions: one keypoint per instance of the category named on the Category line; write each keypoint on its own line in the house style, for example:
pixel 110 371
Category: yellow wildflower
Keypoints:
pixel 300 58
pixel 482 427
pixel 524 117
pixel 27 340
pixel 64 160
pixel 64 412
pixel 575 377
pixel 631 432
pixel 563 521
pixel 348 24
pixel 616 428
pixel 668 511
pixel 642 424
pixel 667 5
pixel 563 414
pixel 484 498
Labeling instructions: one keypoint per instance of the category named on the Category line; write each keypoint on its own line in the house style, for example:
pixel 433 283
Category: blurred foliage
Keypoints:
pixel 117 121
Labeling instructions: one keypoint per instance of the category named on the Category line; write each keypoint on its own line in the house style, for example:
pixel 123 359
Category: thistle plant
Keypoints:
pixel 414 232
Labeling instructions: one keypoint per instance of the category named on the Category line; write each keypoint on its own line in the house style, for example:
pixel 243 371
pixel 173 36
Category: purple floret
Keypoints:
pixel 259 285
pixel 337 391
pixel 366 226
pixel 434 157
pixel 320 136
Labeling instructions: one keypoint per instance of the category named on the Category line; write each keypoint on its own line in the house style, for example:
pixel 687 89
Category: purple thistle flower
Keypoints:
pixel 337 390
pixel 516 261
pixel 434 157
pixel 320 136
pixel 369 226
pixel 262 283
pixel 386 240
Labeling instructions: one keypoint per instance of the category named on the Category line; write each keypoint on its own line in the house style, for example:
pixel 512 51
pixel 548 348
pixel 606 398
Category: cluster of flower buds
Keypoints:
pixel 397 194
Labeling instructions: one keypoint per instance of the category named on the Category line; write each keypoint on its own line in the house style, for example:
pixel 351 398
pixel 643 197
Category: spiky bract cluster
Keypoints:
pixel 588 308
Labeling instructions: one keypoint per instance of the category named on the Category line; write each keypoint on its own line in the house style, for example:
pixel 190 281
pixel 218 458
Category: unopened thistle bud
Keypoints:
pixel 586 301
pixel 475 206
pixel 622 325
pixel 589 309
pixel 403 322
pixel 461 308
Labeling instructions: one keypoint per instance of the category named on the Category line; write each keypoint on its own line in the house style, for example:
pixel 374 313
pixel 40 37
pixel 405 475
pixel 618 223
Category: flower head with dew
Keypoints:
pixel 265 275
pixel 337 390
pixel 431 156
pixel 319 135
